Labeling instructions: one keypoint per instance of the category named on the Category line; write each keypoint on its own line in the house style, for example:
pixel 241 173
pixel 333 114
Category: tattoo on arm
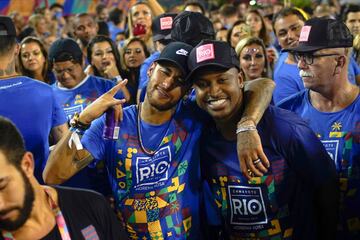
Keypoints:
pixel 81 163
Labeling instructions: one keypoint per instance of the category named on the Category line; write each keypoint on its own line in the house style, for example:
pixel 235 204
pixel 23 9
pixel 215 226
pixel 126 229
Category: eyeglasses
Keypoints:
pixel 309 58
pixel 60 72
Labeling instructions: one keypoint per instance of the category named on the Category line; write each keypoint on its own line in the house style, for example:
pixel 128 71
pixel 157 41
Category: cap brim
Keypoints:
pixel 222 66
pixel 158 37
pixel 173 62
pixel 303 49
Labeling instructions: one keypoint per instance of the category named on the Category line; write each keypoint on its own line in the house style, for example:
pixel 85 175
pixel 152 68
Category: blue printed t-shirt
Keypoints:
pixel 32 106
pixel 287 79
pixel 76 99
pixel 157 195
pixel 340 134
pixel 281 204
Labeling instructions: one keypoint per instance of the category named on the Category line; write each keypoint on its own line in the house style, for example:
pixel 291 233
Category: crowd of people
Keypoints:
pixel 232 122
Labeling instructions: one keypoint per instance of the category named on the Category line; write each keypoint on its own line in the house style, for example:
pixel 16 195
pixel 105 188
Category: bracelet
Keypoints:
pixel 246 129
pixel 75 123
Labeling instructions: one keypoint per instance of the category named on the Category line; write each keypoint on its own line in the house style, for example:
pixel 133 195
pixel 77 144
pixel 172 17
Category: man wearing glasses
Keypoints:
pixel 74 91
pixel 331 106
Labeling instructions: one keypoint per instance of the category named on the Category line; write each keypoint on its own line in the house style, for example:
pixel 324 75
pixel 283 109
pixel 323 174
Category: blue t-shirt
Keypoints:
pixel 157 195
pixel 287 79
pixel 32 106
pixel 282 204
pixel 340 134
pixel 76 99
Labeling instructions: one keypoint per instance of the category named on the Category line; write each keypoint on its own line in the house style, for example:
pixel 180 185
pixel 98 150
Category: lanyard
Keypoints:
pixel 60 221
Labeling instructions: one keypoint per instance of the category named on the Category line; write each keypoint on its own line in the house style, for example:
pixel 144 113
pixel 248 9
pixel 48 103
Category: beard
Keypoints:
pixel 25 210
pixel 161 107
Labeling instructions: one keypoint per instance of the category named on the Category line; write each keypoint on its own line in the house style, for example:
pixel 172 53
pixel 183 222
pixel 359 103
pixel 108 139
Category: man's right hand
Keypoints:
pixel 103 103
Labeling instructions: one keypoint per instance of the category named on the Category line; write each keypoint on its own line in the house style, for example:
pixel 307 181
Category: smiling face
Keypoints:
pixel 16 196
pixel 31 57
pixel 287 30
pixel 252 61
pixel 102 56
pixel 134 55
pixel 165 90
pixel 219 92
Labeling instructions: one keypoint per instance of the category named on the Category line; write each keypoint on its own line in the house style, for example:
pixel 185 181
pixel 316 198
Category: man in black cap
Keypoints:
pixel 161 29
pixel 296 198
pixel 74 91
pixel 154 164
pixel 331 106
pixel 31 105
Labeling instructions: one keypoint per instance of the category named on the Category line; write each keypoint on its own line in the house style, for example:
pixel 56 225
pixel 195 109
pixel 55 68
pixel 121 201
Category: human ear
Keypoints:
pixel 27 164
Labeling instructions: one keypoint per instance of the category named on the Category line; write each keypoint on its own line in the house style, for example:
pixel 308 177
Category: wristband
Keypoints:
pixel 75 138
pixel 75 123
pixel 245 129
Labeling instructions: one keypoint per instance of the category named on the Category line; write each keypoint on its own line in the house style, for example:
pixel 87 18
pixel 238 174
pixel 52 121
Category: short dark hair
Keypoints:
pixel 11 142
pixel 99 8
pixel 7 43
pixel 195 3
pixel 287 12
pixel 228 10
pixel 115 15
pixel 349 9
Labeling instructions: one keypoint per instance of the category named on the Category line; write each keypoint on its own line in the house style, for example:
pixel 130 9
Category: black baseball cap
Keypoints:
pixel 191 28
pixel 162 25
pixel 321 33
pixel 7 27
pixel 211 53
pixel 176 53
pixel 65 49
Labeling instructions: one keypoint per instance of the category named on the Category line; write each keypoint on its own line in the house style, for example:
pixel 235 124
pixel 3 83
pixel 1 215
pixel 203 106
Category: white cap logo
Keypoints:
pixel 205 52
pixel 182 52
pixel 166 23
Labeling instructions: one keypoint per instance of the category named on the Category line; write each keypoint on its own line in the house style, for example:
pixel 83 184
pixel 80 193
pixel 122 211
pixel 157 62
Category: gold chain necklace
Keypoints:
pixel 138 127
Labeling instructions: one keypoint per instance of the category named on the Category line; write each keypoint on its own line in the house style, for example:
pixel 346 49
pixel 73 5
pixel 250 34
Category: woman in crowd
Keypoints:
pixel 133 54
pixel 255 20
pixel 252 55
pixel 238 31
pixel 38 23
pixel 104 60
pixel 33 60
pixel 140 20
